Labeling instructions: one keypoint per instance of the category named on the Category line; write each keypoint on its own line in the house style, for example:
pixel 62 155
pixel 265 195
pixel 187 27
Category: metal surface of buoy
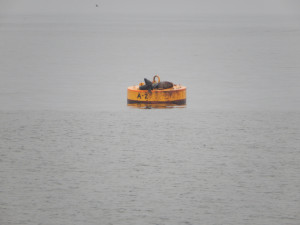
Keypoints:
pixel 156 93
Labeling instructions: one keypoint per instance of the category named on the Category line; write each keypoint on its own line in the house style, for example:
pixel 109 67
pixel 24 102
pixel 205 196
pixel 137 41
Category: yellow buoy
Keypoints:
pixel 174 95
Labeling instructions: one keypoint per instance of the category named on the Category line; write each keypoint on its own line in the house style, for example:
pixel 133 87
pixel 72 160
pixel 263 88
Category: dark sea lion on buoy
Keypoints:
pixel 147 82
pixel 160 85
pixel 164 85
pixel 147 85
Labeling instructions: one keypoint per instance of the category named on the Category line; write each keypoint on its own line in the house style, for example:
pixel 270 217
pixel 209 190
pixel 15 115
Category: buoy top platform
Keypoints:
pixel 156 92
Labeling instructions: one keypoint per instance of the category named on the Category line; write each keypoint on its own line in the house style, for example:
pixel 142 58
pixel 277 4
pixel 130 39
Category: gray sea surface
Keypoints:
pixel 73 152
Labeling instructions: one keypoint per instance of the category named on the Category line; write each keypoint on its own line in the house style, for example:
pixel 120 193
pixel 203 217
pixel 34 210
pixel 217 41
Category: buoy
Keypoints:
pixel 156 92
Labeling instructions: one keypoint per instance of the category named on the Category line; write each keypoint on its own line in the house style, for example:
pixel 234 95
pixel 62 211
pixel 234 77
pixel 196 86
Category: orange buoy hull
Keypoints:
pixel 175 95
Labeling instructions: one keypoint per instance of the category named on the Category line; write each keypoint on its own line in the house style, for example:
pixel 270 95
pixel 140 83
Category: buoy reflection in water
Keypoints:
pixel 155 106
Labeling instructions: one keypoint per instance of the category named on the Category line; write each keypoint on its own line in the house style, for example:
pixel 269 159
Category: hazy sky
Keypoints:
pixel 151 6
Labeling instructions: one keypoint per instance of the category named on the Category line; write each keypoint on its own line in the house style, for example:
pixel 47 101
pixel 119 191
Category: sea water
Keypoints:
pixel 73 152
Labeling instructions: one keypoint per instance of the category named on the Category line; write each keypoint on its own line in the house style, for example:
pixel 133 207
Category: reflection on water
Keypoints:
pixel 155 106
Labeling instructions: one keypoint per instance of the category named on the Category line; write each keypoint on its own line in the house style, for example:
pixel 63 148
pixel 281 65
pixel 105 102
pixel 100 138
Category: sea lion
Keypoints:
pixel 147 85
pixel 160 85
pixel 164 85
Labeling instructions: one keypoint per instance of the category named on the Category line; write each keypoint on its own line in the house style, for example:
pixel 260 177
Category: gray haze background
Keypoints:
pixel 73 152
pixel 234 47
pixel 265 7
